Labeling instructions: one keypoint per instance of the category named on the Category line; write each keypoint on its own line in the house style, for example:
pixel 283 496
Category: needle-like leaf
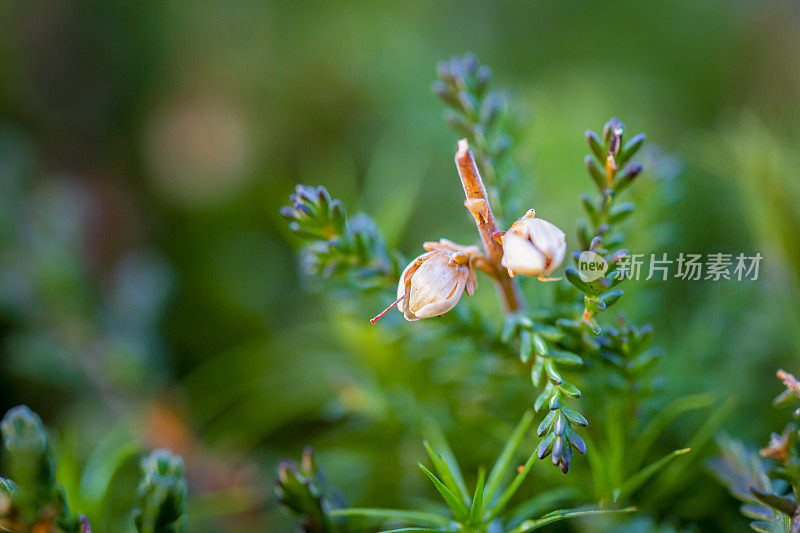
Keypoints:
pixel 557 516
pixel 453 502
pixel 512 488
pixel 411 517
pixel 501 466
pixel 476 511
pixel 638 479
pixel 445 473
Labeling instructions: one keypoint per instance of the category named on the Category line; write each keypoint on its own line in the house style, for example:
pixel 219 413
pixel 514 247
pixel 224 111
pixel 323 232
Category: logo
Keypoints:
pixel 591 266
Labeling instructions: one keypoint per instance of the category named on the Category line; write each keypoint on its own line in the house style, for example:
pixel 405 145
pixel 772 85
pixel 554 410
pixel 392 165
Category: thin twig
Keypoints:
pixel 478 204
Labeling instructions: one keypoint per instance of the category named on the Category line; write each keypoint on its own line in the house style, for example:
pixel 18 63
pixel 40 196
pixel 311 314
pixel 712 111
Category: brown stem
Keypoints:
pixel 478 204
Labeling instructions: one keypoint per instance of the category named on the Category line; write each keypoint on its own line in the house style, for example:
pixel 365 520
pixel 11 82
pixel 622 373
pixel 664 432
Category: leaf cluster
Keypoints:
pixel 32 500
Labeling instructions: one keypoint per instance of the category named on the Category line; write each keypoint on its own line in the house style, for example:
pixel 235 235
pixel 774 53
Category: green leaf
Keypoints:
pixel 600 476
pixel 525 346
pixel 626 177
pixel 512 488
pixel 701 437
pixel 575 278
pixel 786 506
pixel 8 486
pixel 637 480
pixel 510 325
pixel 545 423
pixel 552 372
pixel 536 372
pixel 566 358
pixel 539 345
pixel 570 389
pixel 621 212
pixel 611 297
pixel 452 501
pixel 594 145
pixel 111 454
pixel 506 456
pixel 645 360
pixel 543 397
pixel 595 172
pixel 427 519
pixel 661 420
pixel 785 399
pixel 590 208
pixel 537 504
pixel 439 443
pixel 574 416
pixel 412 530
pixel 765 527
pixel 476 511
pixel 543 449
pixel 161 497
pixel 630 148
pixel 576 441
pixel 444 472
pixel 557 516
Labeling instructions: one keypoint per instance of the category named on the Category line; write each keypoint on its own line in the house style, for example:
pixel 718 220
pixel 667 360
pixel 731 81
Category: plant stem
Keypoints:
pixel 478 204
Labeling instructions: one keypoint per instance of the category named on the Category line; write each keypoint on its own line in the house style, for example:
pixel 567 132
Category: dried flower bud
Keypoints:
pixel 532 247
pixel 433 283
pixel 778 447
pixel 789 381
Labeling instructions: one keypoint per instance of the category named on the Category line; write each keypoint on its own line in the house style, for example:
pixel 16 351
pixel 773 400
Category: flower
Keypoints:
pixel 778 447
pixel 433 282
pixel 789 381
pixel 532 247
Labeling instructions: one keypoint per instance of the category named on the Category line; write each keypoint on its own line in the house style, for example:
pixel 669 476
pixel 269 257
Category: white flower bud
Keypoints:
pixel 533 247
pixel 433 283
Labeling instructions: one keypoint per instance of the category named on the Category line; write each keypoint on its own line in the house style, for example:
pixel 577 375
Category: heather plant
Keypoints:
pixel 32 500
pixel 564 343
pixel 767 482
pixel 150 296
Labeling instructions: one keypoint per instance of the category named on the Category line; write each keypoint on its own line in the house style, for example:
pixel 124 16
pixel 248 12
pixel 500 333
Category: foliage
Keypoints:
pixel 301 488
pixel 32 500
pixel 485 116
pixel 161 495
pixel 485 508
pixel 148 297
pixel 554 341
pixel 335 245
pixel 770 492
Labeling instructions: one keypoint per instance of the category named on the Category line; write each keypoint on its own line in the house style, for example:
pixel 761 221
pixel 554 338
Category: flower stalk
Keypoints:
pixel 477 203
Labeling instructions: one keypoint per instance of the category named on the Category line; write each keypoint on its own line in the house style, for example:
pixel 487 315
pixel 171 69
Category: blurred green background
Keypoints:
pixel 149 295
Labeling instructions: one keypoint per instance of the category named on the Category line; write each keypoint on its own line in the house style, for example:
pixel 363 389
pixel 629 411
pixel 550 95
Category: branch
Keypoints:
pixel 478 204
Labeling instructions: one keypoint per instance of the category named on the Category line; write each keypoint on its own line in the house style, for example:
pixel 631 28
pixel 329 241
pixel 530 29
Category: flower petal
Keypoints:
pixel 404 285
pixel 433 281
pixel 521 256
pixel 546 236
pixel 440 307
pixel 558 258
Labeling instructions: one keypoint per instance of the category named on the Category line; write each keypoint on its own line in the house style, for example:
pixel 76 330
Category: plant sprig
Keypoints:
pixel 335 246
pixel 301 490
pixel 34 499
pixel 608 164
pixel 480 114
pixel 557 429
pixel 475 510
pixel 31 499
pixel 750 479
pixel 161 496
